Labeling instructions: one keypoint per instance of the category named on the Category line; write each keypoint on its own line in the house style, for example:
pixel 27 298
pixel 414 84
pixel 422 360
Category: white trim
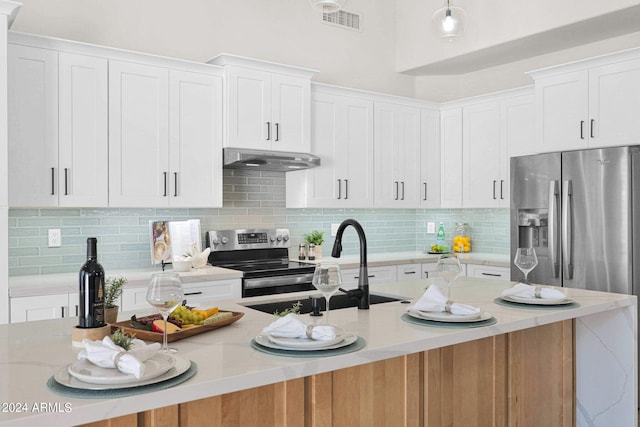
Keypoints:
pixel 494 96
pixel 225 59
pixel 582 64
pixel 10 9
pixel 375 96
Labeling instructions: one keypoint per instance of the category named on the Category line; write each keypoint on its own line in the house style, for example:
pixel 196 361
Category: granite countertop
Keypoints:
pixel 25 286
pixel 34 351
pixel 396 258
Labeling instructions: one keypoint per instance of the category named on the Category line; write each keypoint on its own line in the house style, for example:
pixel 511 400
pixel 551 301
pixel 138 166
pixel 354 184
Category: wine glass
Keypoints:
pixel 526 260
pixel 327 279
pixel 165 294
pixel 449 268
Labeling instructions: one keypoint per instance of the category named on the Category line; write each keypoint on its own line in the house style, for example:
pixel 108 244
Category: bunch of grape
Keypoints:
pixel 187 316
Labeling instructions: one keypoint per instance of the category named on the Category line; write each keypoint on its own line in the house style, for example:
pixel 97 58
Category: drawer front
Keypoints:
pixel 409 272
pixel 377 275
pixel 495 273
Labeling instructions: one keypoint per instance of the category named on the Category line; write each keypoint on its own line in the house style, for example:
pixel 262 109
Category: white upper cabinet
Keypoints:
pixel 592 103
pixel 483 182
pixel 195 139
pixel 164 137
pixel 342 136
pixel 57 128
pixel 138 135
pixel 518 131
pixel 83 122
pixel 267 105
pixel 451 157
pixel 430 159
pixel 397 155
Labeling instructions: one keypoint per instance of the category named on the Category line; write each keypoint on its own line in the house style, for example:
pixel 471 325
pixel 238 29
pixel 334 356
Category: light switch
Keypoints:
pixel 334 229
pixel 431 227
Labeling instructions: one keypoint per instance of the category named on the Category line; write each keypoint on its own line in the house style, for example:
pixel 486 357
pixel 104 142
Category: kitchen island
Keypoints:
pixel 523 370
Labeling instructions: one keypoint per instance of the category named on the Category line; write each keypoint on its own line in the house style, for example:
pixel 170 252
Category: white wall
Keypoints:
pixel 285 31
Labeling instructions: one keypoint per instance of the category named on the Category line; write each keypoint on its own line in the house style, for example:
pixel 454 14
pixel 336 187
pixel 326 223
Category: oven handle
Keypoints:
pixel 265 282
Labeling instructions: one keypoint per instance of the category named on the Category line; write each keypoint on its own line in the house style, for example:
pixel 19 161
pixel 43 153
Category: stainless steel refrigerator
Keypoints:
pixel 579 210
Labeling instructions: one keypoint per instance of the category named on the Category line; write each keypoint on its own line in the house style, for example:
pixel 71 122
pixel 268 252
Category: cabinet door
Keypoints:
pixel 451 161
pixel 430 159
pixel 249 109
pixel 397 154
pixel 518 116
pixel 408 272
pixel 33 126
pixel 44 307
pixel 83 121
pixel 561 112
pixel 614 102
pixel 138 135
pixel 487 272
pixel 342 136
pixel 290 113
pixel 195 126
pixel 481 155
pixel 429 270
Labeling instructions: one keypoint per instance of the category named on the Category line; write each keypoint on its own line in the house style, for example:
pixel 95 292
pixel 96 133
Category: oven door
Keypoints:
pixel 270 285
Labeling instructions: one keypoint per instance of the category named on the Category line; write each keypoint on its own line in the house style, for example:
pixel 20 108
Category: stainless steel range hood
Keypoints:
pixel 276 161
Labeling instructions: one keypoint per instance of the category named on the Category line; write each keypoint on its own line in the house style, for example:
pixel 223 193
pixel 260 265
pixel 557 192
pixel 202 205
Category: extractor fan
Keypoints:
pixel 328 6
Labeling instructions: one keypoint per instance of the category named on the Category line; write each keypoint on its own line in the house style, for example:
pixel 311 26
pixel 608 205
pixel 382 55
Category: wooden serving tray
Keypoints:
pixel 185 333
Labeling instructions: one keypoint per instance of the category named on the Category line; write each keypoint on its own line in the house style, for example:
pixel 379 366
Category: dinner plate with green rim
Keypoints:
pixel 347 339
pixel 537 301
pixel 451 318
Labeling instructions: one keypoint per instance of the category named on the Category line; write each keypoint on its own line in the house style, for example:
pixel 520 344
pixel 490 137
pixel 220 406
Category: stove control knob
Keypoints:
pixel 215 240
pixel 272 238
pixel 224 240
pixel 279 238
pixel 285 237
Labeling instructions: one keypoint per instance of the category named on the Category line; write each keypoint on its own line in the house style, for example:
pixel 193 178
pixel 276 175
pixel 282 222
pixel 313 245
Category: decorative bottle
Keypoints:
pixel 91 307
pixel 441 239
pixel 462 238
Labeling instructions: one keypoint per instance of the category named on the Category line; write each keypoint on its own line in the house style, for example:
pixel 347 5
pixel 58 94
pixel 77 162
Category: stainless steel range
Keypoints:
pixel 263 257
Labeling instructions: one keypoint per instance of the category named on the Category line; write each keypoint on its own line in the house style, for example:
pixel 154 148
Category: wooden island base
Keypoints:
pixel 524 378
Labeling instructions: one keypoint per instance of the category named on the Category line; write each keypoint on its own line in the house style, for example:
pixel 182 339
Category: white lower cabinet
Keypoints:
pixel 43 307
pixel 377 275
pixel 408 272
pixel 488 272
pixel 195 293
pixel 428 270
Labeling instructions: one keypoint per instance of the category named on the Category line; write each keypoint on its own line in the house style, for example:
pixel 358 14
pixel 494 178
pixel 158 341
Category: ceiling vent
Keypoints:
pixel 343 19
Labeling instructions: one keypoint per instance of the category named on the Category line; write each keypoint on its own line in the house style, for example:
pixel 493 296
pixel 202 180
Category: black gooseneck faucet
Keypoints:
pixel 362 293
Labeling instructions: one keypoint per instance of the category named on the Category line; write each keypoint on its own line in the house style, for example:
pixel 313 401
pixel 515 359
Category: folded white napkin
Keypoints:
pixel 106 354
pixel 291 326
pixel 433 300
pixel 523 290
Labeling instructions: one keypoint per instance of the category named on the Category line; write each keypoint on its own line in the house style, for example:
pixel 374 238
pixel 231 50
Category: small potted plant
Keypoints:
pixel 112 291
pixel 316 238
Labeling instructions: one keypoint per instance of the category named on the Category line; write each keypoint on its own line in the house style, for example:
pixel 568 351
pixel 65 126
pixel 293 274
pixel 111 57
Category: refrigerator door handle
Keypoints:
pixel 567 229
pixel 553 228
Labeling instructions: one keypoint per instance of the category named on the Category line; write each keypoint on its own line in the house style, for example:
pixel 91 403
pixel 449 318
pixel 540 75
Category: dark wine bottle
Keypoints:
pixel 91 310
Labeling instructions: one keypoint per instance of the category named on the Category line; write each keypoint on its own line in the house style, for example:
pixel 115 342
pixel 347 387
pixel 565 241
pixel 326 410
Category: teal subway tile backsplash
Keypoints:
pixel 251 199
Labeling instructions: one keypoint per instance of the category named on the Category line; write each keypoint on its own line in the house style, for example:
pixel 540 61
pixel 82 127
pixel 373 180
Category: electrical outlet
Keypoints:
pixel 55 240
pixel 334 229
pixel 431 227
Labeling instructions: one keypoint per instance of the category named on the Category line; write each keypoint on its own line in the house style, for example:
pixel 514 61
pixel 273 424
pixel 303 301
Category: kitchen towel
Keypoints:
pixel 291 326
pixel 107 354
pixel 433 300
pixel 523 290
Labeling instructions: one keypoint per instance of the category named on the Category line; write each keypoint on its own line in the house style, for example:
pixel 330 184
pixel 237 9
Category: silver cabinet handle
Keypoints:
pixel 425 191
pixel 346 189
pixel 268 131
pixel 175 183
pixel 501 192
pixel 567 225
pixel 339 189
pixel 277 131
pixel 591 128
pixel 402 198
pixel 581 129
pixel 553 228
pixel 494 189
pixel 397 192
pixel 53 181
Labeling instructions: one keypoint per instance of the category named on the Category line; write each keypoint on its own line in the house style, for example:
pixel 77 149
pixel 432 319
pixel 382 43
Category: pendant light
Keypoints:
pixel 328 6
pixel 449 22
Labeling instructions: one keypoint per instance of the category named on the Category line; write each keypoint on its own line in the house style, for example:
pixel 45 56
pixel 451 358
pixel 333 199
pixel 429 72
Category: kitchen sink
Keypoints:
pixel 338 301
